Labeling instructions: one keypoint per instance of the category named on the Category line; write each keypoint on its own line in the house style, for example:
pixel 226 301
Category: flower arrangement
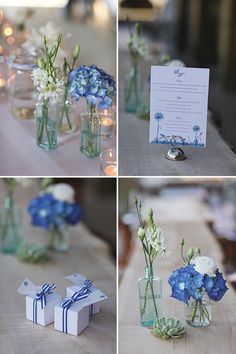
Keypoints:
pixel 97 88
pixel 54 209
pixel 153 243
pixel 197 278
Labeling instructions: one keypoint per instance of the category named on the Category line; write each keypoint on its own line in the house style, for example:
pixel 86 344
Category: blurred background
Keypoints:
pixel 201 34
pixel 97 198
pixel 181 202
pixel 91 23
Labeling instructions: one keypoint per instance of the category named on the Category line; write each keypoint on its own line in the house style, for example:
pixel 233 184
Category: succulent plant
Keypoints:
pixel 166 328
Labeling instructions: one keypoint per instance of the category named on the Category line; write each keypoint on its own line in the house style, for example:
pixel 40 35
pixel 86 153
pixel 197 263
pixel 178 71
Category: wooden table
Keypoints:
pixel 139 158
pixel 218 338
pixel 88 256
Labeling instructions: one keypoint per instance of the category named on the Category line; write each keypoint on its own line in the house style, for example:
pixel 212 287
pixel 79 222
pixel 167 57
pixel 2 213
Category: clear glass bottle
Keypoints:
pixel 90 133
pixel 66 122
pixel 22 93
pixel 198 312
pixel 46 124
pixel 59 238
pixel 133 90
pixel 10 226
pixel 150 295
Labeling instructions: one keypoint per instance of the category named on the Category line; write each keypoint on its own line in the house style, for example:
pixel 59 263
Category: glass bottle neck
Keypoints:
pixel 148 272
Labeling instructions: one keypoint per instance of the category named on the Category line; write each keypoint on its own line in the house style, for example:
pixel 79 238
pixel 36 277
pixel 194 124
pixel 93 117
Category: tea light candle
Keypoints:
pixel 110 170
pixel 107 125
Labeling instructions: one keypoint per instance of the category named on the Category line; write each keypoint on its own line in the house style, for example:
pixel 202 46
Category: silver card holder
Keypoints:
pixel 176 153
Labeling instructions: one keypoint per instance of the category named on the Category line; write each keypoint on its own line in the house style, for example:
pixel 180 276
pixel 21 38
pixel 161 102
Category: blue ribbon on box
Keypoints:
pixel 46 290
pixel 67 303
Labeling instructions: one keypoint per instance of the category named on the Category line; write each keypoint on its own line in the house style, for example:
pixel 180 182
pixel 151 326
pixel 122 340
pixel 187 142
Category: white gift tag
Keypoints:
pixel 27 288
pixel 79 280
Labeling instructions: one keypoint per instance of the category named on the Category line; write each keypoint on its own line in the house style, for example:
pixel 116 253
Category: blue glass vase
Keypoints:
pixel 150 294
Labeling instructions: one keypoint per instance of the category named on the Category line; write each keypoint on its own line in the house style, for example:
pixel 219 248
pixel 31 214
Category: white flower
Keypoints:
pixel 47 86
pixel 62 191
pixel 175 63
pixel 157 241
pixel 36 36
pixel 204 265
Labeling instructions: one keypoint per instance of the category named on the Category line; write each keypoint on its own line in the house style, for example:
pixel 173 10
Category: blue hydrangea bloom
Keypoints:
pixel 185 283
pixel 215 286
pixel 92 83
pixel 45 210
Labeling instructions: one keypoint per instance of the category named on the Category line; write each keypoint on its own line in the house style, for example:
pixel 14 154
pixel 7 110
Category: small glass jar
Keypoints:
pixel 150 294
pixel 22 93
pixel 133 90
pixel 46 124
pixel 66 122
pixel 90 133
pixel 59 238
pixel 198 312
pixel 107 117
pixel 10 227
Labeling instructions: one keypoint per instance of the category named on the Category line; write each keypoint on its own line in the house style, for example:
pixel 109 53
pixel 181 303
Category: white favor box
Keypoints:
pixel 45 316
pixel 77 318
pixel 93 309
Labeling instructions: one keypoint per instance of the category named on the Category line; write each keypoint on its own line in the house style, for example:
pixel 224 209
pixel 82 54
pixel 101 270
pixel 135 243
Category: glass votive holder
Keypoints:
pixel 108 162
pixel 107 117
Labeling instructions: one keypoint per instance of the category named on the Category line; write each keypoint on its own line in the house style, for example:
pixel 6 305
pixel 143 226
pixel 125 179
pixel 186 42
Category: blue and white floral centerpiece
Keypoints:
pixel 97 88
pixel 54 210
pixel 196 284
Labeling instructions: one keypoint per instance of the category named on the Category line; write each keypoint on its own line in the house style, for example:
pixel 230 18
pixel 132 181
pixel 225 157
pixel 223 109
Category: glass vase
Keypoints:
pixel 59 239
pixel 90 133
pixel 10 226
pixel 150 294
pixel 198 312
pixel 133 90
pixel 21 90
pixel 46 124
pixel 66 122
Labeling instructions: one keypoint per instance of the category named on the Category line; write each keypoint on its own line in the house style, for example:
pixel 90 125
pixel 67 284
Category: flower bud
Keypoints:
pixel 135 200
pixel 182 242
pixel 76 51
pixel 141 233
pixel 190 253
pixel 198 251
pixel 150 213
pixel 40 63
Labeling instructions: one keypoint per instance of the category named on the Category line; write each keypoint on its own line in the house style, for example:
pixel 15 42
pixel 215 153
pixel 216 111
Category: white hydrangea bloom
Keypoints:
pixel 63 192
pixel 175 63
pixel 204 265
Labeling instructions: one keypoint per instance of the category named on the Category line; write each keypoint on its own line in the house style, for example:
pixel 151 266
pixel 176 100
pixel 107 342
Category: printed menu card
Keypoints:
pixel 178 106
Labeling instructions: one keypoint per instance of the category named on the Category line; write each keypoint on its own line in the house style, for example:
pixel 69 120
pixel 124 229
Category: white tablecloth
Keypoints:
pixel 20 156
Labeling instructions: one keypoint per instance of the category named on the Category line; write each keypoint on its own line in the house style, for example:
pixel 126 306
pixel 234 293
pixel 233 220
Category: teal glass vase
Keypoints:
pixel 90 133
pixel 46 124
pixel 10 226
pixel 150 295
pixel 133 90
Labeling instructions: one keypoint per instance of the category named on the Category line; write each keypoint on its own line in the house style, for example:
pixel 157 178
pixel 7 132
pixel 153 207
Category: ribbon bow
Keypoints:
pixel 46 290
pixel 67 303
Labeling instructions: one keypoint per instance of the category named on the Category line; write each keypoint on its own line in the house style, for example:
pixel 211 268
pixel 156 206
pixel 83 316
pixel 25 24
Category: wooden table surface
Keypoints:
pixel 218 338
pixel 139 158
pixel 88 256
